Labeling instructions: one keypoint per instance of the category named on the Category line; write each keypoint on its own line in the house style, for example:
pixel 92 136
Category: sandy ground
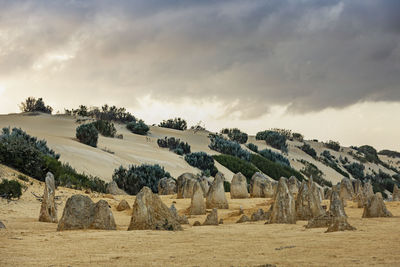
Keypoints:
pixel 29 242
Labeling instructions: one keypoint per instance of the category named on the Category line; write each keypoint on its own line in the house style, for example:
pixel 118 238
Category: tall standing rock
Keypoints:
pixel 48 209
pixel 346 189
pixel 294 185
pixel 396 193
pixel 150 213
pixel 308 203
pixel 113 189
pixel 375 207
pixel 357 187
pixel 205 185
pixel 339 217
pixel 184 185
pixel 197 205
pixel 239 186
pixel 216 195
pixel 166 186
pixel 283 208
pixel 81 213
pixel 212 218
pixel 261 186
pixel 362 197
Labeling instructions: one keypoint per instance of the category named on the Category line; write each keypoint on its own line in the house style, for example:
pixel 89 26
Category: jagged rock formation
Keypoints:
pixel 261 186
pixel 293 185
pixel 181 219
pixel 339 224
pixel 48 209
pixel 396 193
pixel 216 195
pixel 375 207
pixel 184 185
pixel 243 219
pixel 365 193
pixel 166 186
pixel 150 213
pixel 346 189
pixel 205 185
pixel 81 213
pixel 212 218
pixel 239 186
pixel 283 209
pixel 260 215
pixel 308 202
pixel 358 188
pixel 123 205
pixel 113 189
pixel 197 205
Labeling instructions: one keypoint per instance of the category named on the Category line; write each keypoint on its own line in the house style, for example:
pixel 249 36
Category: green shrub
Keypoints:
pixel 252 147
pixel 227 186
pixel 87 134
pixel 228 147
pixel 275 139
pixel 275 157
pixel 310 170
pixel 298 136
pixel 309 150
pixel 105 128
pixel 371 155
pixel 138 127
pixel 381 181
pixel 328 159
pixel 133 179
pixel 389 153
pixel 32 104
pixel 177 124
pixel 23 178
pixel 106 113
pixel 236 165
pixel 203 161
pixel 333 145
pixel 355 169
pixel 236 135
pixel 175 145
pixel 273 169
pixel 10 189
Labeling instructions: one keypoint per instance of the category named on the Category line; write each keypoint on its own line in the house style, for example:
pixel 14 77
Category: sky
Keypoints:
pixel 329 69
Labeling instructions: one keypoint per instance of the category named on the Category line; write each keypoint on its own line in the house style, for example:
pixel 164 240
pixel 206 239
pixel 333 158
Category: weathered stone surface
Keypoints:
pixel 283 208
pixel 221 221
pixel 216 195
pixel 196 223
pixel 336 205
pixel 357 184
pixel 396 193
pixel 181 219
pixel 2 226
pixel 205 185
pixel 346 189
pixel 166 186
pixel 328 193
pixel 261 186
pixel 197 205
pixel 243 219
pixel 239 186
pixel 340 224
pixel 113 189
pixel 293 185
pixel 150 213
pixel 212 218
pixel 48 209
pixel 375 207
pixel 81 213
pixel 308 202
pixel 362 197
pixel 184 185
pixel 123 205
pixel 322 221
pixel 260 215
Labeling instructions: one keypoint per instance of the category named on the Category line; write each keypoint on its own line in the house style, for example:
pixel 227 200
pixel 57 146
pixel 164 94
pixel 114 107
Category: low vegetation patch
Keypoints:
pixel 236 135
pixel 107 113
pixel 329 160
pixel 332 145
pixel 203 161
pixel 10 189
pixel 275 157
pixel 273 138
pixel 252 147
pixel 390 153
pixel 232 148
pixel 177 124
pixel 355 169
pixel 105 128
pixel 310 170
pixel 370 154
pixel 236 165
pixel 32 104
pixel 87 134
pixel 309 150
pixel 175 145
pixel 138 127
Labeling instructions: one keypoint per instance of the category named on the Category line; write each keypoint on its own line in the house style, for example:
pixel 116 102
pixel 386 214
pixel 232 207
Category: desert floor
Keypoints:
pixel 31 243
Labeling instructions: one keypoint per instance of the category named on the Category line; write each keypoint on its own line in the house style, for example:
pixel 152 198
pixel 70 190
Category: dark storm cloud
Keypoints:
pixel 248 55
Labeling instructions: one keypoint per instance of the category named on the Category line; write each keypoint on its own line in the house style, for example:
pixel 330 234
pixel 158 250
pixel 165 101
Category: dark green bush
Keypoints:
pixel 236 135
pixel 138 127
pixel 227 186
pixel 228 147
pixel 274 139
pixel 333 145
pixel 105 128
pixel 87 134
pixel 203 161
pixel 236 165
pixel 23 178
pixel 32 104
pixel 298 137
pixel 177 124
pixel 252 147
pixel 310 170
pixel 355 169
pixel 10 189
pixel 328 159
pixel 175 145
pixel 371 155
pixel 133 179
pixel 309 150
pixel 273 169
pixel 106 113
pixel 390 153
pixel 381 181
pixel 275 157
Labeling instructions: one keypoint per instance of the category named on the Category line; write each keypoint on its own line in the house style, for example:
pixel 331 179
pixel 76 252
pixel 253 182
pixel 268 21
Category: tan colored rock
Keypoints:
pixel 396 193
pixel 328 193
pixel 308 202
pixel 123 205
pixel 340 224
pixel 346 189
pixel 81 213
pixel 336 204
pixel 283 208
pixel 181 219
pixel 48 209
pixel 2 226
pixel 375 207
pixel 294 185
pixel 260 215
pixel 205 185
pixel 362 197
pixel 166 186
pixel 113 189
pixel 243 219
pixel 216 195
pixel 184 185
pixel 358 188
pixel 261 186
pixel 239 186
pixel 212 218
pixel 150 213
pixel 197 205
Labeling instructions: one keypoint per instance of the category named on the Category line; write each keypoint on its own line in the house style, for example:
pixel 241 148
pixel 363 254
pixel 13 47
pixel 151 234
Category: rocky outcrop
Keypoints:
pixel 308 201
pixel 239 186
pixel 294 185
pixel 150 213
pixel 375 207
pixel 81 213
pixel 205 185
pixel 340 224
pixel 166 186
pixel 339 217
pixel 216 195
pixel 243 219
pixel 113 189
pixel 346 189
pixel 181 219
pixel 2 226
pixel 365 193
pixel 123 205
pixel 212 218
pixel 328 193
pixel 184 185
pixel 261 186
pixel 260 215
pixel 396 193
pixel 197 205
pixel 48 209
pixel 283 208
pixel 357 184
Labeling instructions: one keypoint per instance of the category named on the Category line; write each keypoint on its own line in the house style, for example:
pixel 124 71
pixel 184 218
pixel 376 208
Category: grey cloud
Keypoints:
pixel 248 55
